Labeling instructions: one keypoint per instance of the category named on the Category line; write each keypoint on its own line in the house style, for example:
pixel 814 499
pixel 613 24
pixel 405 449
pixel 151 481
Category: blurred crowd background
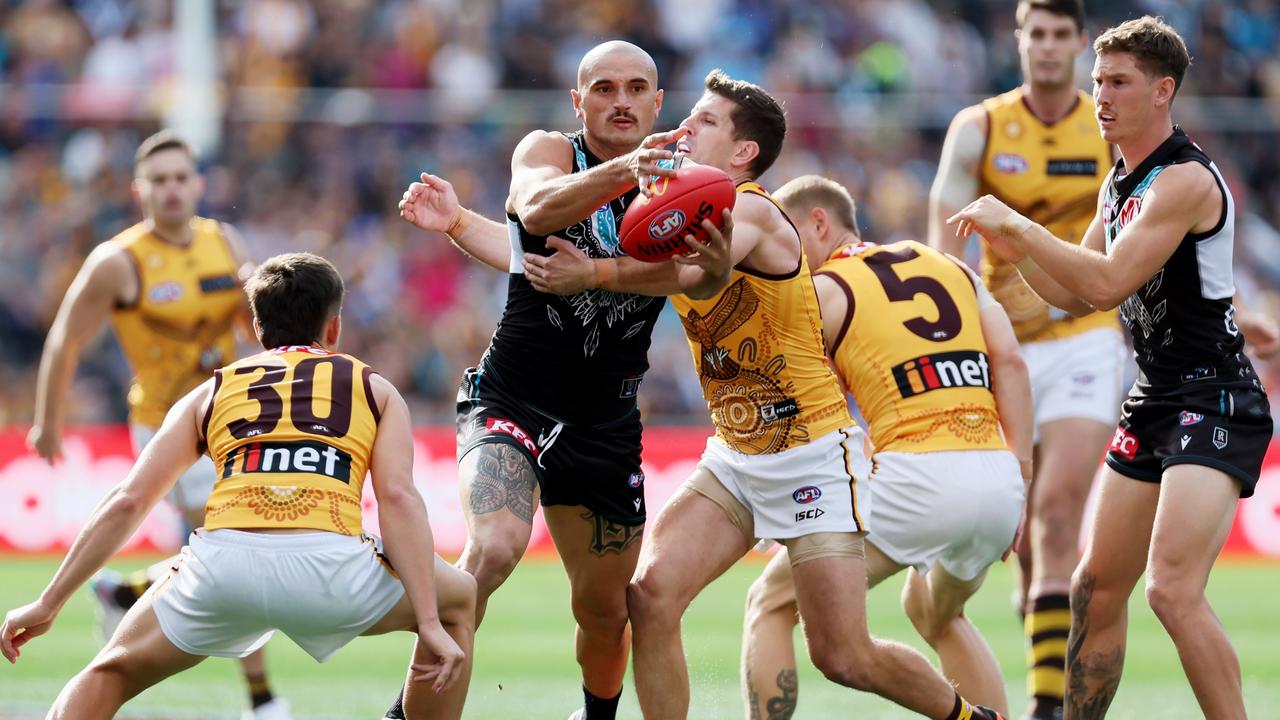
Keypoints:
pixel 332 107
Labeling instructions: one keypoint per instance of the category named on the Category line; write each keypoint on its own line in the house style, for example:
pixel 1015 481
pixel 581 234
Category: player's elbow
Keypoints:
pixel 1008 362
pixel 1101 300
pixel 536 216
pixel 400 497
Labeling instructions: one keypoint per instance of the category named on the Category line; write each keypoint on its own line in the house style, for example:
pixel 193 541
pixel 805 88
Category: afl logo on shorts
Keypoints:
pixel 806 494
pixel 635 480
pixel 1010 163
pixel 1189 418
pixel 666 225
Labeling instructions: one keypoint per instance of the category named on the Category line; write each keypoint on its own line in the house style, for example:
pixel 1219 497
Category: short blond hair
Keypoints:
pixel 810 191
pixel 159 142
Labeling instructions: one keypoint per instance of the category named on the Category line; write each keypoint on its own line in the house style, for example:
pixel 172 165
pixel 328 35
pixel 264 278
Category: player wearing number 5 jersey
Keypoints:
pixel 292 432
pixel 935 368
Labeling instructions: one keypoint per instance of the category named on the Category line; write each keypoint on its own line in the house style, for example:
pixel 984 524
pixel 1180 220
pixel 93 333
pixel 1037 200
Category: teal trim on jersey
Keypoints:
pixel 1111 231
pixel 604 220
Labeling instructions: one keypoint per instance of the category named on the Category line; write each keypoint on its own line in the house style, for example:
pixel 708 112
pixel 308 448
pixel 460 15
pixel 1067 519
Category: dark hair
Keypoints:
pixel 757 117
pixel 813 191
pixel 1158 49
pixel 293 296
pixel 1073 9
pixel 163 140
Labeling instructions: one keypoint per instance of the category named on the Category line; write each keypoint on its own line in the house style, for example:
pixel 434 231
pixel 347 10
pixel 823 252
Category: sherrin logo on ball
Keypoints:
pixel 666 225
pixel 653 228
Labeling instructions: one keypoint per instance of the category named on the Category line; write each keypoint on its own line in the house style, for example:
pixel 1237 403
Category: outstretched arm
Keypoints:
pixel 701 275
pixel 99 285
pixel 432 205
pixel 115 519
pixel 1181 199
pixel 546 195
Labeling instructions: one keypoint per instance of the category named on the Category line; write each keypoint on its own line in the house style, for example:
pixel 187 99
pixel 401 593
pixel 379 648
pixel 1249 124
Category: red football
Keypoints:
pixel 654 227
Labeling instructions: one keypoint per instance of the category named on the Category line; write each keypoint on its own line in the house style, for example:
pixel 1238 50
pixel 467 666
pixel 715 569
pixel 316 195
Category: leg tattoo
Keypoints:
pixel 783 706
pixel 1099 668
pixel 753 698
pixel 503 479
pixel 609 536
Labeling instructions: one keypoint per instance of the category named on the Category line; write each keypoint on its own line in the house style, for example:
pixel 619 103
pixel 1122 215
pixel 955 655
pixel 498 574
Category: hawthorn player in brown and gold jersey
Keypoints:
pixel 1039 149
pixel 293 430
pixel 786 462
pixel 173 288
pixel 934 366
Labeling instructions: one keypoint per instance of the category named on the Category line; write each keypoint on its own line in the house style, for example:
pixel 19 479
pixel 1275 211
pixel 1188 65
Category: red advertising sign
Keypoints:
pixel 42 507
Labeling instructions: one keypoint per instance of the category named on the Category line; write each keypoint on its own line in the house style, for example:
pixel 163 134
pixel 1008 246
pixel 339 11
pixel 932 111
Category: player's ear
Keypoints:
pixel 333 331
pixel 820 220
pixel 577 104
pixel 657 99
pixel 746 153
pixel 257 329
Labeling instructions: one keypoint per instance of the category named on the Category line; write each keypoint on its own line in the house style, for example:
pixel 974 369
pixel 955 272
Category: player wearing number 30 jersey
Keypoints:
pixel 292 432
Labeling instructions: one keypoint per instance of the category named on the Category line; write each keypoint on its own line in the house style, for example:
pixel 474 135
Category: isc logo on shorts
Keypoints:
pixel 302 456
pixel 961 368
pixel 810 514
pixel 1124 444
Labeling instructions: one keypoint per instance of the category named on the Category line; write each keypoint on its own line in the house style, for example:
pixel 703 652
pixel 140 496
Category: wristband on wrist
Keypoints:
pixel 459 223
pixel 1017 223
pixel 606 272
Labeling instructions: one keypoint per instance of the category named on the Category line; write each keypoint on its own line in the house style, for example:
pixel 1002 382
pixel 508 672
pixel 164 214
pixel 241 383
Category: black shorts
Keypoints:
pixel 1227 428
pixel 596 466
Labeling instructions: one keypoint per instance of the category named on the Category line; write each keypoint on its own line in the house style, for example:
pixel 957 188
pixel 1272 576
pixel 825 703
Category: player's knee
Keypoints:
pixel 840 665
pixel 459 607
pixel 1171 600
pixel 601 612
pixel 756 610
pixel 1095 598
pixel 648 601
pixel 491 562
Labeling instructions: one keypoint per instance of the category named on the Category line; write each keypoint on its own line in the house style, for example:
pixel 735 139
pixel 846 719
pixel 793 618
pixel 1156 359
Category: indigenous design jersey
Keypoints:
pixel 912 350
pixel 1182 319
pixel 179 328
pixel 580 358
pixel 758 349
pixel 1051 174
pixel 291 433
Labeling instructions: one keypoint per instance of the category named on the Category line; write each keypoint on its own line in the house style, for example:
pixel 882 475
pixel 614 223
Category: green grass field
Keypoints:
pixel 525 666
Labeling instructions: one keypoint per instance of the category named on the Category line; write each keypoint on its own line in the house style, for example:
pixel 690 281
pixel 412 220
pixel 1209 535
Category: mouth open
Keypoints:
pixel 1106 119
pixel 623 123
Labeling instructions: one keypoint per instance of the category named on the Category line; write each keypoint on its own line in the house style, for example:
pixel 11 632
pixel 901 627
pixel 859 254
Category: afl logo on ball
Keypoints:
pixel 666 225
pixel 806 494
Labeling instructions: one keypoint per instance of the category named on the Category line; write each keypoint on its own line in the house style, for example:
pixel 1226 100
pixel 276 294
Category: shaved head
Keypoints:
pixel 617 55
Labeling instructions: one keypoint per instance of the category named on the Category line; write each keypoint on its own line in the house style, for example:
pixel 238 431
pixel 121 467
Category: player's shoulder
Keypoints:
pixel 543 143
pixel 975 117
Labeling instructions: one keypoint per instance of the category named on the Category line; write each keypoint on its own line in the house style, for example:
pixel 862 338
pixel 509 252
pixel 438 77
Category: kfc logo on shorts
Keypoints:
pixel 1124 444
pixel 498 425
pixel 1189 418
pixel 806 494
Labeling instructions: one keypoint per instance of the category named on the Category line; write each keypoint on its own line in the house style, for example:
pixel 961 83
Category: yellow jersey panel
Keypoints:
pixel 1051 174
pixel 291 433
pixel 912 350
pixel 180 328
pixel 758 349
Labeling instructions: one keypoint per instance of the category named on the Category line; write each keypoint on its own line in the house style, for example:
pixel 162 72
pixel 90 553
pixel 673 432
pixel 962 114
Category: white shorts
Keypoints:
pixel 816 487
pixel 959 509
pixel 1077 377
pixel 193 487
pixel 233 589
